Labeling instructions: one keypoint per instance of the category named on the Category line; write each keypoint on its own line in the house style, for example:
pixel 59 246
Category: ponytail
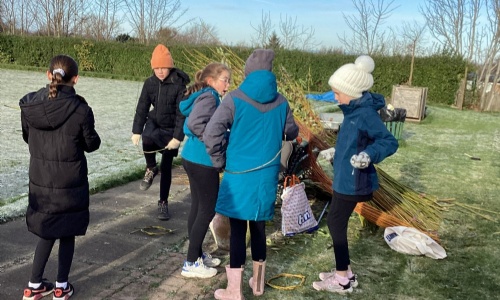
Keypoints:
pixel 57 79
pixel 212 70
pixel 198 84
pixel 63 68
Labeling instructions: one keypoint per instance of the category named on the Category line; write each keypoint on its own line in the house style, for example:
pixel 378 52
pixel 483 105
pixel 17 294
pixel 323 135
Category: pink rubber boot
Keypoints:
pixel 233 289
pixel 259 270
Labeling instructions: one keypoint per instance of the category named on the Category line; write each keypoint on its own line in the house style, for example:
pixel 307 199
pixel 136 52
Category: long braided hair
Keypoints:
pixel 63 68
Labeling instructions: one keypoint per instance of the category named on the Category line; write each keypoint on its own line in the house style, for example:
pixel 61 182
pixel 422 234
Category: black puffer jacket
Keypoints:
pixel 58 132
pixel 164 121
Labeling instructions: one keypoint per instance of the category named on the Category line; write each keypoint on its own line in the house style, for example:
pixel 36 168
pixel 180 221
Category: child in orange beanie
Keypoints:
pixel 160 127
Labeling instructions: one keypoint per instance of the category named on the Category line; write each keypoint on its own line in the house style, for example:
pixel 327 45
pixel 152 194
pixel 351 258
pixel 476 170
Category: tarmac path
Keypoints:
pixel 115 260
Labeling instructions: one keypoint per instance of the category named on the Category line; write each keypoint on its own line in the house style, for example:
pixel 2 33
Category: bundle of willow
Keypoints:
pixel 393 204
pixel 422 211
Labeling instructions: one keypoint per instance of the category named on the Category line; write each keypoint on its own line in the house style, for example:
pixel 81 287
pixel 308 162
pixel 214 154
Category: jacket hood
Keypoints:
pixel 186 105
pixel 376 101
pixel 43 113
pixel 260 86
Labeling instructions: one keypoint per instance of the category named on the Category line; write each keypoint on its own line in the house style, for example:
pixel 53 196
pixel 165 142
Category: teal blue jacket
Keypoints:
pixel 245 137
pixel 198 109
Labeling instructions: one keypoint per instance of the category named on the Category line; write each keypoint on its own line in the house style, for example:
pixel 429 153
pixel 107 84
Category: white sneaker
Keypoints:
pixel 352 279
pixel 210 261
pixel 197 270
pixel 332 284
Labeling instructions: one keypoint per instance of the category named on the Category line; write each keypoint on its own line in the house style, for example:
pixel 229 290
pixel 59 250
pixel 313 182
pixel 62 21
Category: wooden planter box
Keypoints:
pixel 410 98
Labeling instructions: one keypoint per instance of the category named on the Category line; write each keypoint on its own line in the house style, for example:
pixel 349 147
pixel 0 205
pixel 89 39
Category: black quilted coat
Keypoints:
pixel 164 121
pixel 58 132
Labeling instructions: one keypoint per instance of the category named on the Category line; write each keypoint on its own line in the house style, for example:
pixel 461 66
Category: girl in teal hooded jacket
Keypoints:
pixel 203 98
pixel 244 136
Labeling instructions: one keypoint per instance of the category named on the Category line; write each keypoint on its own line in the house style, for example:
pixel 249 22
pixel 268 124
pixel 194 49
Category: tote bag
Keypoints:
pixel 296 213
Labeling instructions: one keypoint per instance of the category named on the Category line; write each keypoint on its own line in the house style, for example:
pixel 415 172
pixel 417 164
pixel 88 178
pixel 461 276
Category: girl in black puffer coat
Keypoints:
pixel 58 126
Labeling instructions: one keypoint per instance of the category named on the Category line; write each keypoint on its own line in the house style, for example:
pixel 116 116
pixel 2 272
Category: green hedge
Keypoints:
pixel 439 73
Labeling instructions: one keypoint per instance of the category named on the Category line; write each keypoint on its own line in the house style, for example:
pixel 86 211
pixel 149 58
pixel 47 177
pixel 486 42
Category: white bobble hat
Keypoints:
pixel 354 79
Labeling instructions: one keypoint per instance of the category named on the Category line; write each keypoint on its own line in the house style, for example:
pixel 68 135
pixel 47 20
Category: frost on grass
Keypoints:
pixel 434 159
pixel 113 103
pixel 13 210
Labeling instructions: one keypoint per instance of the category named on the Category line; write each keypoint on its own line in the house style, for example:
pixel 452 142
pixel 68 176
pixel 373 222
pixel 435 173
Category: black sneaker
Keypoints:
pixel 43 290
pixel 148 178
pixel 63 294
pixel 163 210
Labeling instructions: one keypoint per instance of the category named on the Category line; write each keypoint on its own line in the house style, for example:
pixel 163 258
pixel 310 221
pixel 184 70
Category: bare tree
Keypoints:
pixel 454 24
pixel 292 35
pixel 167 35
pixel 263 30
pixel 147 17
pixel 395 44
pixel 198 33
pixel 18 16
pixel 59 17
pixel 8 16
pixel 367 35
pixel 25 16
pixel 104 20
pixel 412 34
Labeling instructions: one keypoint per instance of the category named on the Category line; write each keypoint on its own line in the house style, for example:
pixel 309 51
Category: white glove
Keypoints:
pixel 135 139
pixel 173 144
pixel 360 161
pixel 327 154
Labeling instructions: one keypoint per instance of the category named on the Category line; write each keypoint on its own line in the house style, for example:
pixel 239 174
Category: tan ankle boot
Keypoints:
pixel 233 290
pixel 257 280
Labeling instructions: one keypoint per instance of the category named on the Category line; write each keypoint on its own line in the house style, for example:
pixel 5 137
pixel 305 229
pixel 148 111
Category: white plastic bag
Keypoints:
pixel 409 240
pixel 296 213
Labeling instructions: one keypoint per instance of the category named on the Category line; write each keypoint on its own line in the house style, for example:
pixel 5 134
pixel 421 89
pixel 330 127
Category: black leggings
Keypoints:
pixel 204 185
pixel 237 244
pixel 338 218
pixel 42 253
pixel 167 157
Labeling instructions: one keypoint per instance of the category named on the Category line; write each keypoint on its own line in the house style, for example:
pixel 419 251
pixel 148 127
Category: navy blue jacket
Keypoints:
pixel 361 130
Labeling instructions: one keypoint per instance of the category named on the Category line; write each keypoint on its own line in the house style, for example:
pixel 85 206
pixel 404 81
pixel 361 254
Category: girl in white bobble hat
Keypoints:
pixel 362 141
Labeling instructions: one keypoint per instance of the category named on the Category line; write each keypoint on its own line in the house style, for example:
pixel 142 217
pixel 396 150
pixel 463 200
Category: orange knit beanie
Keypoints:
pixel 161 58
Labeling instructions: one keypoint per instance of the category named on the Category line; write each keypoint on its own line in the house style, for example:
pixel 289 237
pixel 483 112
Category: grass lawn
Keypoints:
pixel 430 160
pixel 117 161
